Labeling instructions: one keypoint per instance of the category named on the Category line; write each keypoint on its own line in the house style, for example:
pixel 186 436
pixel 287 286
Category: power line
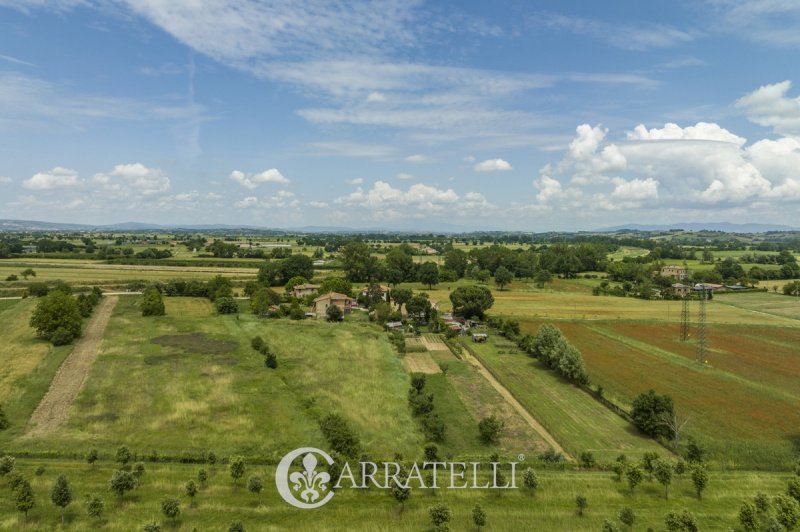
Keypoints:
pixel 702 347
pixel 685 318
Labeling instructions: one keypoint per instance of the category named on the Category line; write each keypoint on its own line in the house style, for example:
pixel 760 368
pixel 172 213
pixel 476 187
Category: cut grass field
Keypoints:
pixel 768 303
pixel 189 382
pixel 88 273
pixel 219 503
pixel 577 421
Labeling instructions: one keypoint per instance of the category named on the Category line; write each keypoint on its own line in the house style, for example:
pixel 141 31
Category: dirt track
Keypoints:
pixel 54 406
pixel 516 405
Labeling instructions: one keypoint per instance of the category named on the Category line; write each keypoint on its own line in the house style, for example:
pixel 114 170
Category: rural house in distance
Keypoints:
pixel 320 305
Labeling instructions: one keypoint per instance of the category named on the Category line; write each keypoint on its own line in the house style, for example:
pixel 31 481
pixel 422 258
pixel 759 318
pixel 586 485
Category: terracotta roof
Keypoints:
pixel 332 295
pixel 306 286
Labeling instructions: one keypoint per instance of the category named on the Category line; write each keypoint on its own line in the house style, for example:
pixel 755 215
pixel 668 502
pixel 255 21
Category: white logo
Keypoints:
pixel 309 484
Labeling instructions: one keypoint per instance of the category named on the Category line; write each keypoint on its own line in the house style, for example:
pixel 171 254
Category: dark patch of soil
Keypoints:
pixel 195 342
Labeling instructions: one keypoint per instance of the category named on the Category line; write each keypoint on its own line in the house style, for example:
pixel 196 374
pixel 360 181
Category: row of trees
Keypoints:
pixel 553 349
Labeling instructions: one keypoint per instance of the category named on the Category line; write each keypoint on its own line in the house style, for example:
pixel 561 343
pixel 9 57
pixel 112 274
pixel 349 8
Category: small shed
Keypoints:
pixel 479 338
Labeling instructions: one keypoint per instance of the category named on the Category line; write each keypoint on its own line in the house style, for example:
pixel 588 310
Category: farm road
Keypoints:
pixel 516 405
pixel 54 406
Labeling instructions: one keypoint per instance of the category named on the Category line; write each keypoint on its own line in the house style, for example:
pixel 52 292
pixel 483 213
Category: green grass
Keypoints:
pixel 576 420
pixel 201 387
pixel 220 503
pixel 764 302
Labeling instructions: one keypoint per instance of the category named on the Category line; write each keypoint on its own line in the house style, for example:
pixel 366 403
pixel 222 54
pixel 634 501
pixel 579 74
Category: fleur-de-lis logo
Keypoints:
pixel 308 479
pixel 311 485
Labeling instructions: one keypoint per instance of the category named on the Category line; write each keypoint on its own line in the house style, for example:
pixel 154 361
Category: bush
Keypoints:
pixel 341 437
pixel 61 336
pixel 152 303
pixel 490 428
pixel 57 312
pixel 433 427
pixel 226 305
pixel 649 412
pixel 171 507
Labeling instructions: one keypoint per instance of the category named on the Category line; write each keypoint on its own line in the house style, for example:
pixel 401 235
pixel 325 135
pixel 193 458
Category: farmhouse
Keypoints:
pixel 320 305
pixel 383 288
pixel 303 290
pixel 710 287
pixel 681 289
pixel 678 272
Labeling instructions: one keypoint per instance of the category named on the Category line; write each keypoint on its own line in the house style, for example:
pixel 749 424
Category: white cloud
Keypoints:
pixel 404 176
pixel 252 181
pixel 492 165
pixel 58 177
pixel 769 106
pixel 355 149
pixel 281 199
pixel 670 167
pixel 318 204
pixel 143 180
pixel 382 196
pixel 376 96
pixel 620 35
pixel 700 131
pixel 635 190
pixel 246 203
pixel 355 181
pixel 417 158
pixel 187 196
pixel 5 180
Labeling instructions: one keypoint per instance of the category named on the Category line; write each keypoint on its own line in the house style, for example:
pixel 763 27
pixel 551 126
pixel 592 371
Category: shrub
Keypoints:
pixel 433 427
pixel 171 507
pixel 341 437
pixel 226 305
pixel 490 429
pixel 152 303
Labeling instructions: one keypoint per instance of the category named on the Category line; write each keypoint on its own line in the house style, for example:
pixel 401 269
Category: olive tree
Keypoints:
pixel 61 494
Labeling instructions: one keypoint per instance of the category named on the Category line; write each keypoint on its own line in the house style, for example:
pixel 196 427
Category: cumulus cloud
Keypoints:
pixel 383 201
pixel 143 180
pixel 700 131
pixel 58 177
pixel 5 180
pixel 376 96
pixel 417 158
pixel 281 199
pixel 492 165
pixel 770 106
pixel 252 181
pixel 669 166
pixel 404 176
pixel 355 181
pixel 318 204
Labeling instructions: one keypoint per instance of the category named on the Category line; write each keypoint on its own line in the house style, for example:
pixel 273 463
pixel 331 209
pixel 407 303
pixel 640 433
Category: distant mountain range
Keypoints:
pixel 725 227
pixel 34 225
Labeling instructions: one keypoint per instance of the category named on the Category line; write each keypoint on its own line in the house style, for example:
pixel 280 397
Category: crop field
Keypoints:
pixel 577 421
pixel 743 405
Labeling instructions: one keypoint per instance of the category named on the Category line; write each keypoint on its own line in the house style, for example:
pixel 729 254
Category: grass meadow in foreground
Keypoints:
pixel 220 502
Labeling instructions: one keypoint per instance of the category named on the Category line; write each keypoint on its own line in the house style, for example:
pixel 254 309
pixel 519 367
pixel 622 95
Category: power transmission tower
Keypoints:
pixel 685 319
pixel 701 329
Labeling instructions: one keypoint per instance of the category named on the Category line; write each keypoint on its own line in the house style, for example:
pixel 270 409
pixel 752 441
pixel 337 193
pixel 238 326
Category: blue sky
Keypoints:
pixel 526 115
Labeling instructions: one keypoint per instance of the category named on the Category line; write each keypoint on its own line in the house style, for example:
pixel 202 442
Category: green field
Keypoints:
pixel 576 420
pixel 220 502
pixel 226 400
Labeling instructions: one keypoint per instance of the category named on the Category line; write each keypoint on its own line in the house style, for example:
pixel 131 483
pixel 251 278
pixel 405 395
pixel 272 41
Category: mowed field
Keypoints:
pixel 189 382
pixel 220 502
pixel 88 273
pixel 575 419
